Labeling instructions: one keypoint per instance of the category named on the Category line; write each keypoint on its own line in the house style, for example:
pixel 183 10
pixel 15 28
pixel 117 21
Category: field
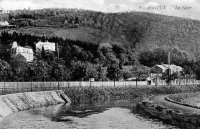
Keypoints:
pixel 87 34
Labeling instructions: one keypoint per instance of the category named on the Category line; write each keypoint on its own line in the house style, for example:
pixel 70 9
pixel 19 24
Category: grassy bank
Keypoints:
pixel 84 95
pixel 187 99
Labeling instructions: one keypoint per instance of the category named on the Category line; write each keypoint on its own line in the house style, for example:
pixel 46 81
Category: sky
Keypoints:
pixel 181 8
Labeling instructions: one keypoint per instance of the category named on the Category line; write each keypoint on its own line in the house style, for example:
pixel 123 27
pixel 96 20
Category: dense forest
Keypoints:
pixel 78 60
pixel 74 60
pixel 104 46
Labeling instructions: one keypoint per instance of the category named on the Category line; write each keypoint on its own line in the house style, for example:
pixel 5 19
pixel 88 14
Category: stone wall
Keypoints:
pixel 22 101
pixel 171 116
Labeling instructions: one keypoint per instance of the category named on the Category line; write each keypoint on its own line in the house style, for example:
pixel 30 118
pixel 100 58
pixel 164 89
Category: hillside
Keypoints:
pixel 137 30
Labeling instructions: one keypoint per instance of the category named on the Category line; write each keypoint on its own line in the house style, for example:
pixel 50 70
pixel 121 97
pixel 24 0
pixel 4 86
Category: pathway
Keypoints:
pixel 161 100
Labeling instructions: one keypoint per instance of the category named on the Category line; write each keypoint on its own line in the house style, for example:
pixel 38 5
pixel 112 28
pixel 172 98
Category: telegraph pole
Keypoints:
pixel 58 50
pixel 169 61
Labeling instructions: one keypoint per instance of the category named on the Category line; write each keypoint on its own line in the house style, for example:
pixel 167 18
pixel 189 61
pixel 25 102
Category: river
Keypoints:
pixel 115 115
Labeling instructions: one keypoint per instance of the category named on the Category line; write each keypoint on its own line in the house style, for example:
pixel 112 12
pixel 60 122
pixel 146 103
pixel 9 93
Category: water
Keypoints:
pixel 115 115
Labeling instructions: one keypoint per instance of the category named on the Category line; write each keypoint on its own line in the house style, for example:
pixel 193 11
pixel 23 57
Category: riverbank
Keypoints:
pixel 22 101
pixel 175 114
pixel 108 115
pixel 84 95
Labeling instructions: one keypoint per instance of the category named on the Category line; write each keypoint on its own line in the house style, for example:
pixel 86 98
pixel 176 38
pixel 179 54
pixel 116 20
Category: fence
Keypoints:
pixel 178 82
pixel 20 85
pixel 17 87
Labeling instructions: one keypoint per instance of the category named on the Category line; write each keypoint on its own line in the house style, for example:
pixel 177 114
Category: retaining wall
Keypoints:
pixel 174 117
pixel 22 101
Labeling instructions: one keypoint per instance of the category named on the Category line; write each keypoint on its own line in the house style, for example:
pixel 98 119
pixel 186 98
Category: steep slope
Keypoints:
pixel 137 30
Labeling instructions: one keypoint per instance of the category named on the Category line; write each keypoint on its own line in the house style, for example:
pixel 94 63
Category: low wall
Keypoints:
pixel 22 101
pixel 174 117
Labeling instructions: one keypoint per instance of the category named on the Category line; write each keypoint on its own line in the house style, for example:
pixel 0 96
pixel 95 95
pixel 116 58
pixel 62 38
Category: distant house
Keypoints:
pixel 1 11
pixel 4 23
pixel 160 69
pixel 27 52
pixel 157 71
pixel 46 45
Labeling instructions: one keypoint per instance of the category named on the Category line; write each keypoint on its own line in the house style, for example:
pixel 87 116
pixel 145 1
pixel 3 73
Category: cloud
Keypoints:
pixel 38 4
pixel 13 4
pixel 152 4
pixel 142 5
pixel 100 2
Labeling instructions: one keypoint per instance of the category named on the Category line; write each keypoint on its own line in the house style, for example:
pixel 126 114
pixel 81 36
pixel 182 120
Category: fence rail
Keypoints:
pixel 71 84
pixel 17 87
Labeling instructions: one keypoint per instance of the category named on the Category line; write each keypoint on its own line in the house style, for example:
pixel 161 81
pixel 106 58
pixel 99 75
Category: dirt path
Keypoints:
pixel 161 100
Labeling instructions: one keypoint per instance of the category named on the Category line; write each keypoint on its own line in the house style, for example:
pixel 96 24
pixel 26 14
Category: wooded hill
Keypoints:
pixel 90 41
pixel 137 30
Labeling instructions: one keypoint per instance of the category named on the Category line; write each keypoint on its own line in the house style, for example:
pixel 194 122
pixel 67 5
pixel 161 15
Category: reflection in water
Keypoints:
pixel 115 115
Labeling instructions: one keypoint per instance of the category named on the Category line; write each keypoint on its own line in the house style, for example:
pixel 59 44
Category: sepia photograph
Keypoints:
pixel 99 64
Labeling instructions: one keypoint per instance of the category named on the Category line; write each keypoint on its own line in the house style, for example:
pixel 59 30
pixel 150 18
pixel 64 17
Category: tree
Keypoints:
pixel 91 72
pixel 38 55
pixel 102 72
pixel 19 67
pixel 197 69
pixel 43 53
pixel 114 72
pixel 78 71
pixel 127 74
pixel 66 54
pixel 59 72
pixel 140 71
pixel 160 56
pixel 5 71
pixel 120 52
pixel 146 58
pixel 107 52
pixel 151 58
pixel 4 53
pixel 180 57
pixel 39 71
pixel 49 56
pixel 79 53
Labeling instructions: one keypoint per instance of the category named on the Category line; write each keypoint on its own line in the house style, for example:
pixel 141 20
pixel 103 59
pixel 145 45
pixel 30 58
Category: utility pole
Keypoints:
pixel 156 81
pixel 169 61
pixel 57 47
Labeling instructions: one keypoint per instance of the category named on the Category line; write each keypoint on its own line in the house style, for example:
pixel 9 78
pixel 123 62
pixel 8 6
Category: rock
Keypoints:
pixel 160 107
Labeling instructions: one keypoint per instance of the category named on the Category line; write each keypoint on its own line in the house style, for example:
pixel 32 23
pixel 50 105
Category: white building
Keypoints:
pixel 46 45
pixel 27 52
pixel 4 23
pixel 160 69
pixel 2 11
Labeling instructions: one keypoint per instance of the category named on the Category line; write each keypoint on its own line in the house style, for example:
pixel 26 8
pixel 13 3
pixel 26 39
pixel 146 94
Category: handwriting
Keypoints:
pixel 156 7
pixel 182 7
pixel 164 7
